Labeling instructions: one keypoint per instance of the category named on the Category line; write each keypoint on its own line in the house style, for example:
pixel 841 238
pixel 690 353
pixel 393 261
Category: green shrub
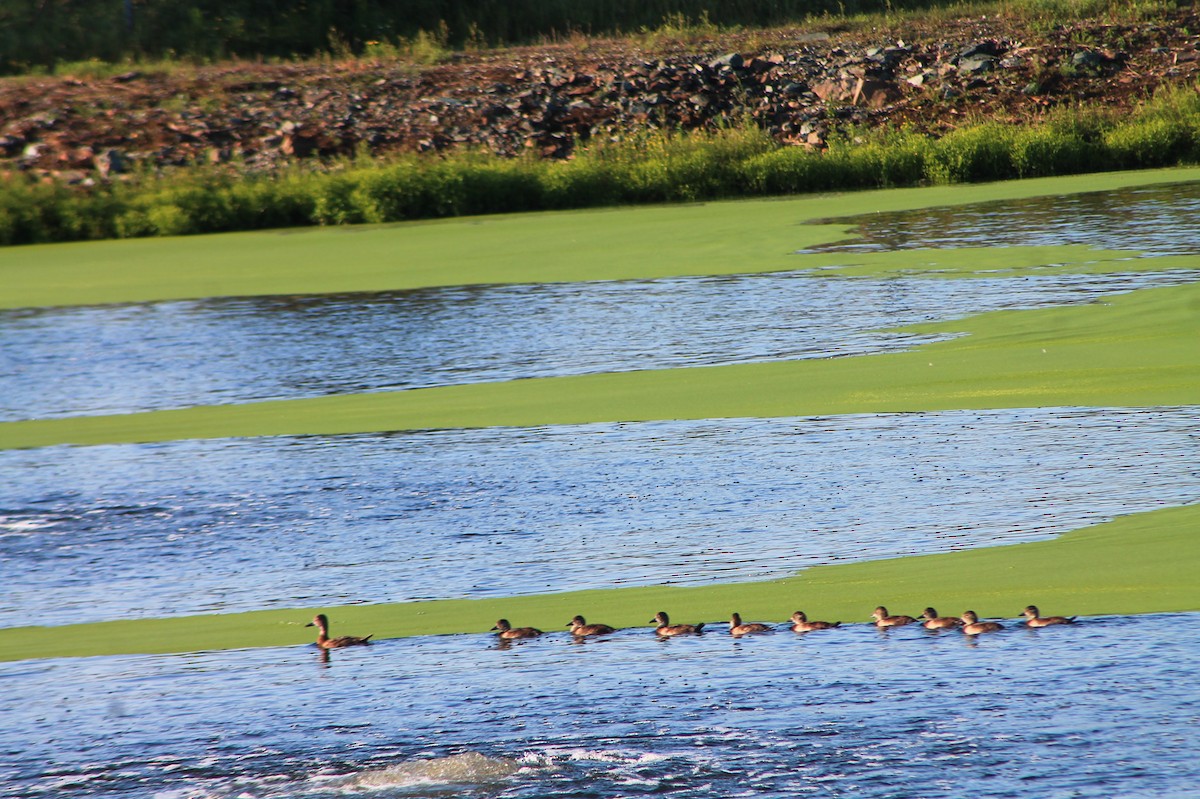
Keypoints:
pixel 648 167
pixel 974 154
pixel 1052 151
pixel 1148 142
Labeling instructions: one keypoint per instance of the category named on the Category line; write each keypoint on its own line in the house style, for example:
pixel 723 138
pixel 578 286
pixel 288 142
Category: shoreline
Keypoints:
pixel 1135 564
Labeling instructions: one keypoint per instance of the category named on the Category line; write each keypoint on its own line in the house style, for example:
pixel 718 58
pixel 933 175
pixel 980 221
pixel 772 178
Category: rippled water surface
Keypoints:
pixel 1155 220
pixel 116 531
pixel 1104 708
pixel 116 359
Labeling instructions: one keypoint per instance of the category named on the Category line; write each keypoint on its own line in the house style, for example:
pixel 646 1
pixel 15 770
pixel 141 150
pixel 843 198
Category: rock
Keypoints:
pixel 991 49
pixel 1091 61
pixel 875 93
pixel 976 65
pixel 834 91
pixel 730 60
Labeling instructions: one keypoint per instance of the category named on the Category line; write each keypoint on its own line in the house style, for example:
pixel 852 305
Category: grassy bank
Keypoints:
pixel 1136 564
pixel 646 168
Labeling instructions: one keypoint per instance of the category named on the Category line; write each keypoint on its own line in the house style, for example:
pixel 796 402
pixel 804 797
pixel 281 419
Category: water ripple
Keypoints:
pixel 497 512
pixel 906 714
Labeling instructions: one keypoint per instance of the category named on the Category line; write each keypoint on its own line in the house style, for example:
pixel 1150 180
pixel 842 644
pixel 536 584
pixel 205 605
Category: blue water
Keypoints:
pixel 118 359
pixel 1104 708
pixel 89 533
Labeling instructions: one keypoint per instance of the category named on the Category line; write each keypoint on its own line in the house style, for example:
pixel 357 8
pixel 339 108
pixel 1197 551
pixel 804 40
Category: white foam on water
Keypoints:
pixel 468 768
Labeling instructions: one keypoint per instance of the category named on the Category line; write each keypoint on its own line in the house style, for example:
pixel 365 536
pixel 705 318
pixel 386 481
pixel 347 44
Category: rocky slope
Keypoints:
pixel 798 84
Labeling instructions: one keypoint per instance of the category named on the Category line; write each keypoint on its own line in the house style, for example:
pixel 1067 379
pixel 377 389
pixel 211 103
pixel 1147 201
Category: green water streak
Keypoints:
pixel 1141 563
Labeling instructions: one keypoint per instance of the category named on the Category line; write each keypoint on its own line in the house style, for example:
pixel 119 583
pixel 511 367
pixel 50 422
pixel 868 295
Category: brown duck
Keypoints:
pixel 935 622
pixel 883 619
pixel 507 632
pixel 737 628
pixel 666 630
pixel 581 629
pixel 325 642
pixel 1034 618
pixel 973 626
pixel 801 624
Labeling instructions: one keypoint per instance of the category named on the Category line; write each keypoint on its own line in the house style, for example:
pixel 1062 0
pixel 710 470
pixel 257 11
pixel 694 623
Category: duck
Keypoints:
pixel 737 628
pixel 935 622
pixel 508 632
pixel 1034 618
pixel 883 619
pixel 666 630
pixel 801 624
pixel 325 642
pixel 581 629
pixel 973 626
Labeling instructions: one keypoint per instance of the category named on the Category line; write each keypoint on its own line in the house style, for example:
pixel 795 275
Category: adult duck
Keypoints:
pixel 581 629
pixel 883 619
pixel 935 622
pixel 665 629
pixel 325 642
pixel 737 628
pixel 801 624
pixel 973 626
pixel 507 632
pixel 1034 618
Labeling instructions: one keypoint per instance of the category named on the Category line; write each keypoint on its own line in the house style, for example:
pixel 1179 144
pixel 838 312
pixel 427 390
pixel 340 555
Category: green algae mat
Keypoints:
pixel 1142 563
pixel 1139 349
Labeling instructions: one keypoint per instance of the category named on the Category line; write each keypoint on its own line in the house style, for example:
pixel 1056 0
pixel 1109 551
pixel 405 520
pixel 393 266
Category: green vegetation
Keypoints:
pixel 1143 563
pixel 1137 349
pixel 646 168
pixel 713 238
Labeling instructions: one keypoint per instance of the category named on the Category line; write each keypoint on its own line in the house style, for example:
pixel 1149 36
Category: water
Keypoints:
pixel 1104 708
pixel 119 359
pixel 1154 220
pixel 1100 709
pixel 90 533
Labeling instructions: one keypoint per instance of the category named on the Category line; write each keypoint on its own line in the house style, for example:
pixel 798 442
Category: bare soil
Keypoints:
pixel 801 85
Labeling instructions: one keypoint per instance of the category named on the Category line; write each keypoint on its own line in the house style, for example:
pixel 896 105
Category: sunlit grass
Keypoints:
pixel 640 168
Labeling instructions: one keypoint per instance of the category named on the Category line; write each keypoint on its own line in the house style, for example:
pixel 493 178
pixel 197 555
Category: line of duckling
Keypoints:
pixel 968 623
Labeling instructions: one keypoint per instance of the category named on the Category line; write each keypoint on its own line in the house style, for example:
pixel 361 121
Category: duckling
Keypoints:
pixel 508 632
pixel 801 624
pixel 581 629
pixel 666 630
pixel 935 622
pixel 882 619
pixel 736 628
pixel 1034 618
pixel 325 642
pixel 973 626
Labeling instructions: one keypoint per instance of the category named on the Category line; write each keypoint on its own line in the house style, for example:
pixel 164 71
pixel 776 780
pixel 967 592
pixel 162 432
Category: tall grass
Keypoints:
pixel 651 167
pixel 37 36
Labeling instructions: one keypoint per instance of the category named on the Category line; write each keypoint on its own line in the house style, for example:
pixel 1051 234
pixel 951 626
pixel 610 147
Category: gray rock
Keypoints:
pixel 731 60
pixel 110 162
pixel 976 65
